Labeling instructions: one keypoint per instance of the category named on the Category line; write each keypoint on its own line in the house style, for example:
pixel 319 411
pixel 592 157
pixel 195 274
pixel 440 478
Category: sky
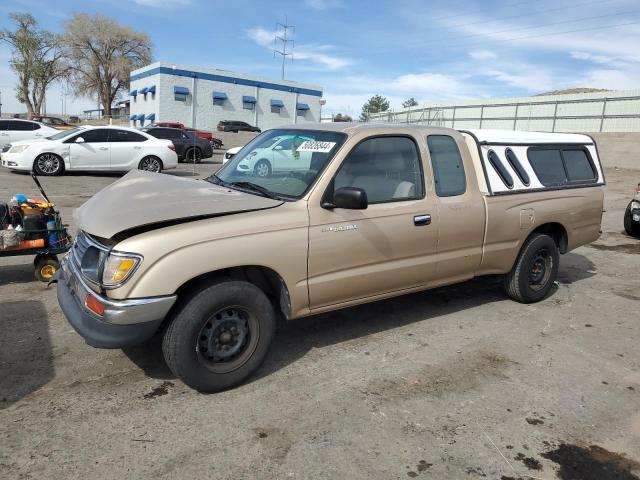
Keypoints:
pixel 433 50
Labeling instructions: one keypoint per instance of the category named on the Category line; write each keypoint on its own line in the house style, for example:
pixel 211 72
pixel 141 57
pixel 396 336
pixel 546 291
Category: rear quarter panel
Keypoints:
pixel 512 218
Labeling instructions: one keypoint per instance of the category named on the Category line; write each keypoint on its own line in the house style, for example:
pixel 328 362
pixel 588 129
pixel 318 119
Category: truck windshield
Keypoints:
pixel 281 162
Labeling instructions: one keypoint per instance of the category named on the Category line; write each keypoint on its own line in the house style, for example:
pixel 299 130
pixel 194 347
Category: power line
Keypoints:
pixel 495 19
pixel 283 37
pixel 484 9
pixel 551 34
pixel 550 24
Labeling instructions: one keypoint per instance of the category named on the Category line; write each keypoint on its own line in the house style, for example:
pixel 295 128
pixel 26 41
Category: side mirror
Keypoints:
pixel 278 147
pixel 79 140
pixel 351 198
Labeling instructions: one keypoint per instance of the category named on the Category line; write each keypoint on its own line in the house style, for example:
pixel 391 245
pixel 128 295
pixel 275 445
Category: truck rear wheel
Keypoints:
pixel 535 270
pixel 219 336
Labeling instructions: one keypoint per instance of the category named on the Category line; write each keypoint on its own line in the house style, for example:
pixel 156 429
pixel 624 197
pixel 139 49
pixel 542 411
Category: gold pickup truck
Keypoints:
pixel 309 219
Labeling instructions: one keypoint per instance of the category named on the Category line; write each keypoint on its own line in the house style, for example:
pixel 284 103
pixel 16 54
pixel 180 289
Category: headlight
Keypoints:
pixel 252 154
pixel 18 148
pixel 118 268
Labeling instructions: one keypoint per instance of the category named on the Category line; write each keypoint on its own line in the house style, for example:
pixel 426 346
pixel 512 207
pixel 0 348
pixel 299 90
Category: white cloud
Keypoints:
pixel 482 54
pixel 602 59
pixel 610 79
pixel 323 4
pixel 534 80
pixel 319 55
pixel 261 36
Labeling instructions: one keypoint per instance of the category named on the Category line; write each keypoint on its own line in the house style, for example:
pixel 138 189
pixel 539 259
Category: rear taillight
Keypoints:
pixel 172 148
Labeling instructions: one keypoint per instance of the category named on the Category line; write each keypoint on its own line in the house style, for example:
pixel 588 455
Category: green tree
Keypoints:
pixel 410 102
pixel 342 118
pixel 101 54
pixel 36 58
pixel 375 104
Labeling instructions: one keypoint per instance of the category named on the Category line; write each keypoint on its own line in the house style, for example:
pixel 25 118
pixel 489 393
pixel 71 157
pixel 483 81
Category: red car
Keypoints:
pixel 215 142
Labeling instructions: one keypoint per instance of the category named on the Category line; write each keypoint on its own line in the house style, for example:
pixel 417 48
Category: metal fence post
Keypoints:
pixel 555 116
pixel 481 114
pixel 604 108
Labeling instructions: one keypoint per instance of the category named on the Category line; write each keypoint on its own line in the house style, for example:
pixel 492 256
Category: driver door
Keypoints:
pixel 389 246
pixel 92 154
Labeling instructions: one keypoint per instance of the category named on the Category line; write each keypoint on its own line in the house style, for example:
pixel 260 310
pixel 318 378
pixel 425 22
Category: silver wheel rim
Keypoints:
pixel 48 163
pixel 262 169
pixel 150 164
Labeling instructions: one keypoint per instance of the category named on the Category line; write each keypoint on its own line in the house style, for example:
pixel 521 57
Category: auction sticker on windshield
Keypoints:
pixel 316 147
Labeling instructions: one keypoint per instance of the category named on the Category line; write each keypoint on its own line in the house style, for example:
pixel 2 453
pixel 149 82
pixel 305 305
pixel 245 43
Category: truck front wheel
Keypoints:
pixel 535 270
pixel 219 336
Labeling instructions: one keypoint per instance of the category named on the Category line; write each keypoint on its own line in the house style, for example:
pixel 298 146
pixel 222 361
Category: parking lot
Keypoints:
pixel 458 382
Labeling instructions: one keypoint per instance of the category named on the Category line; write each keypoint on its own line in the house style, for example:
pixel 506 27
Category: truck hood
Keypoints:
pixel 140 200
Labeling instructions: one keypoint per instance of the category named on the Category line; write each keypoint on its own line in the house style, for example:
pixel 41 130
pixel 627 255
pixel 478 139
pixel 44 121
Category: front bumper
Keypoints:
pixel 125 322
pixel 15 161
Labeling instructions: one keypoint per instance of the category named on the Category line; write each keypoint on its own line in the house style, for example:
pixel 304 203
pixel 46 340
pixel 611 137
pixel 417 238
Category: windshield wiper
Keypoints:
pixel 255 188
pixel 215 179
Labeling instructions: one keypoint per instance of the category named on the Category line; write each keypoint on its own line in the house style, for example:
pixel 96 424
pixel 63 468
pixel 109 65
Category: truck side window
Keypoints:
pixel 497 165
pixel 547 163
pixel 387 168
pixel 448 170
pixel 579 168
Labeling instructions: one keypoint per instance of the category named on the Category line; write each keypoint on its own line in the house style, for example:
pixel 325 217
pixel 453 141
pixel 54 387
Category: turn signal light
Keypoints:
pixel 172 147
pixel 95 305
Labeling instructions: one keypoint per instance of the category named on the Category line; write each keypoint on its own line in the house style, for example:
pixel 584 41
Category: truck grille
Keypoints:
pixel 79 248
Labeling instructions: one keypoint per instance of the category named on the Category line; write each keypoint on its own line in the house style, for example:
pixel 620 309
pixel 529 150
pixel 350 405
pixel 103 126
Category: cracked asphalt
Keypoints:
pixel 454 383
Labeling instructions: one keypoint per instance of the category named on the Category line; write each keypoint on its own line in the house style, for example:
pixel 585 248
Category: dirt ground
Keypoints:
pixel 454 383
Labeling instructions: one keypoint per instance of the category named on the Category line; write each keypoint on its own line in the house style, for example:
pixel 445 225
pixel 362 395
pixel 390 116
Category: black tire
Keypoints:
pixel 262 168
pixel 535 270
pixel 48 164
pixel 195 335
pixel 632 228
pixel 216 145
pixel 146 161
pixel 193 155
pixel 46 267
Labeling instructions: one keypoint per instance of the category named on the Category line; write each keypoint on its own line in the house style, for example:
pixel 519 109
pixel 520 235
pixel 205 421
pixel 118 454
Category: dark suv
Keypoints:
pixel 236 126
pixel 188 146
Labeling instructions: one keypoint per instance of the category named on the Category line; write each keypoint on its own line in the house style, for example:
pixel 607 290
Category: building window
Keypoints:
pixel 248 102
pixel 180 94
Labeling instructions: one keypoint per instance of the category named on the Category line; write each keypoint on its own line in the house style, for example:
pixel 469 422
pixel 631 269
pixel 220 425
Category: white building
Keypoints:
pixel 201 97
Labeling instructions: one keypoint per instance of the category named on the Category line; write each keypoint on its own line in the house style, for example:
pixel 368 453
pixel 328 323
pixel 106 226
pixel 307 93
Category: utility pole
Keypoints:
pixel 282 35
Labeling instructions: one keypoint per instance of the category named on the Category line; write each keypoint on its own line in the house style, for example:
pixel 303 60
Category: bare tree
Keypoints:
pixel 36 57
pixel 101 54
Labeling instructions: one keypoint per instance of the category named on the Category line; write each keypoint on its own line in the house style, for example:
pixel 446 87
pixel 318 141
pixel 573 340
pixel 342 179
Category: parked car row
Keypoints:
pixel 216 143
pixel 89 148
pixel 236 126
pixel 188 146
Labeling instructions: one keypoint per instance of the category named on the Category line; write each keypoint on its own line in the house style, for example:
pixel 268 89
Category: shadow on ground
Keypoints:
pixel 23 273
pixel 294 339
pixel 26 358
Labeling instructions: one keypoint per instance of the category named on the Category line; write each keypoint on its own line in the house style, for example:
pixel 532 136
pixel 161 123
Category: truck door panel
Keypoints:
pixel 461 209
pixel 387 247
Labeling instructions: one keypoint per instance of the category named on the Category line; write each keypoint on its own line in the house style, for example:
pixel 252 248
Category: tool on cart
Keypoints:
pixel 32 226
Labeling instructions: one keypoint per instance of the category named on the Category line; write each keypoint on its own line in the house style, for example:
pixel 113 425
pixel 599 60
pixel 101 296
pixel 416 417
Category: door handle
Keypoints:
pixel 104 148
pixel 420 220
pixel 137 148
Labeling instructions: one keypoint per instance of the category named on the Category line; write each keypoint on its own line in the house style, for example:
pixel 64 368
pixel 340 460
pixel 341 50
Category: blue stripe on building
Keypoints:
pixel 221 78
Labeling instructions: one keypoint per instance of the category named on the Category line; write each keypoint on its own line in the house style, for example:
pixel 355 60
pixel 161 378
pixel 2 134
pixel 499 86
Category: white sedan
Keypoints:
pixel 91 149
pixel 276 154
